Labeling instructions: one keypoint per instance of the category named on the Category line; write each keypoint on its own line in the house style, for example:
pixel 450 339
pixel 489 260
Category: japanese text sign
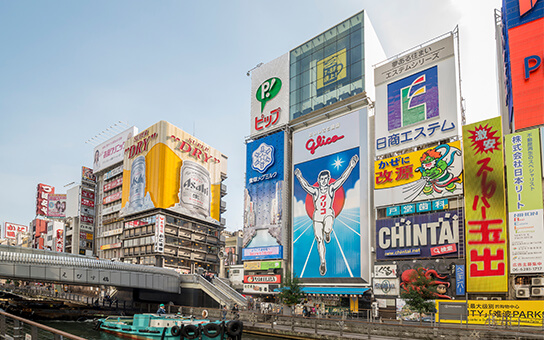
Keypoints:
pixel 486 233
pixel 421 175
pixel 523 174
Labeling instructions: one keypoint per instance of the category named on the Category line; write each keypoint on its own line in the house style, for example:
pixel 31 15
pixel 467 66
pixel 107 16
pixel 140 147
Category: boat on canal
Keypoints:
pixel 152 326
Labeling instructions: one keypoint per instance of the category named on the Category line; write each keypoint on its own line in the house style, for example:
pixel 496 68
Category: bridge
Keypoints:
pixel 39 265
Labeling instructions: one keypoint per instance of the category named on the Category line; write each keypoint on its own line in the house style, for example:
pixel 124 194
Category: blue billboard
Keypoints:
pixel 420 236
pixel 263 198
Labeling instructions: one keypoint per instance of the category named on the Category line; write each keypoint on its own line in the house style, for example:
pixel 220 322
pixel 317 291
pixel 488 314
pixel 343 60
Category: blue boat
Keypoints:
pixel 169 327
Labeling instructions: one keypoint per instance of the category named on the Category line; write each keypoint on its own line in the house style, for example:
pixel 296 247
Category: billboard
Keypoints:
pixel 524 38
pixel 112 151
pixel 330 67
pixel 419 236
pixel 262 278
pixel 416 98
pixel 485 216
pixel 87 175
pixel 263 195
pixel 165 167
pixel 270 96
pixel 57 206
pixel 12 230
pixel 58 235
pixel 330 207
pixel 421 175
pixel 525 208
pixel 42 199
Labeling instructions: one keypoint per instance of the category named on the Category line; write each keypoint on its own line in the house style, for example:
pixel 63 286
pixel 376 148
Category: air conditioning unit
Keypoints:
pixel 522 292
pixel 537 281
pixel 537 291
pixel 481 298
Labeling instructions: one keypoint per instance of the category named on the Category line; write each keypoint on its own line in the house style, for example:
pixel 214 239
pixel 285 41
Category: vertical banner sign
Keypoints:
pixel 159 234
pixel 524 182
pixel 460 279
pixel 485 216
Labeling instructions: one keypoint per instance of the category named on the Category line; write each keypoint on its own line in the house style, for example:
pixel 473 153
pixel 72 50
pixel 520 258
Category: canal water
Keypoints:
pixel 85 330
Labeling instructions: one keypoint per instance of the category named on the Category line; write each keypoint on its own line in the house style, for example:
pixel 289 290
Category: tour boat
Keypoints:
pixel 169 327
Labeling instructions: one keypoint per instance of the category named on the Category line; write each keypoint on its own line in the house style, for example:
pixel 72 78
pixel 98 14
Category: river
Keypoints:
pixel 85 330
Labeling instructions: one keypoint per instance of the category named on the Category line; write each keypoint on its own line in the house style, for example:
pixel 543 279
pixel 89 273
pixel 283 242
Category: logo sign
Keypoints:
pixel 420 175
pixel 270 96
pixel 416 98
pixel 413 99
pixel 268 90
pixel 257 253
pixel 419 235
pixel 331 69
pixel 42 199
pixel 486 233
pixel 385 271
pixel 13 229
pixel 262 278
pixel 386 287
pixel 263 158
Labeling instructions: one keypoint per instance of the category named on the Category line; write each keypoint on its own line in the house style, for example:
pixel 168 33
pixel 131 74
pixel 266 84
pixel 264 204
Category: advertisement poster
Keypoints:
pixel 165 167
pixel 12 230
pixel 524 183
pixel 419 236
pixel 112 151
pixel 42 198
pixel 330 231
pixel 416 98
pixel 421 175
pixel 263 195
pixel 485 215
pixel 57 206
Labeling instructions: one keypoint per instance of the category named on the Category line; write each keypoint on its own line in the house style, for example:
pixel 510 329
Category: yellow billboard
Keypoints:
pixel 331 69
pixel 421 175
pixel 165 167
pixel 493 312
pixel 485 214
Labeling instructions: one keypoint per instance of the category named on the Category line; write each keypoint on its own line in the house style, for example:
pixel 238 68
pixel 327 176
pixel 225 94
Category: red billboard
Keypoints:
pixel 42 199
pixel 526 54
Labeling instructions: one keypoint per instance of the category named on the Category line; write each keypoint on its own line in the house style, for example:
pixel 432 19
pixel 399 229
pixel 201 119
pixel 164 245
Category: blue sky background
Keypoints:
pixel 71 69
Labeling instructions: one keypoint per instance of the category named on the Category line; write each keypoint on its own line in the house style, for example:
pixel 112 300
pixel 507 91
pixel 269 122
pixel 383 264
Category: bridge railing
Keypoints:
pixel 14 327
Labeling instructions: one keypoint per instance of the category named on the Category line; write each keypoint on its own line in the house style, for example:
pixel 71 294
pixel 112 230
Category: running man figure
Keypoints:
pixel 324 214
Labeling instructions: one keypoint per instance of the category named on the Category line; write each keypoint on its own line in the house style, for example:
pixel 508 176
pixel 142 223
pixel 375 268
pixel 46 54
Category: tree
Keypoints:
pixel 290 290
pixel 419 291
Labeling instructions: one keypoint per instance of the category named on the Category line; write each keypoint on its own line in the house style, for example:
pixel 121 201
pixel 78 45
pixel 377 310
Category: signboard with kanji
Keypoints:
pixel 416 98
pixel 525 209
pixel 485 216
pixel 421 175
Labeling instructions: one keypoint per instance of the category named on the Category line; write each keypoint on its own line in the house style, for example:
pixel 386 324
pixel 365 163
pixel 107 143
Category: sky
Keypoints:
pixel 71 70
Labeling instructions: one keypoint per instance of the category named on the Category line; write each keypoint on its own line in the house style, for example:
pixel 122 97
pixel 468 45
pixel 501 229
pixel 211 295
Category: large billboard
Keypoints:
pixel 270 96
pixel 42 199
pixel 420 236
pixel 524 38
pixel 421 175
pixel 12 230
pixel 112 151
pixel 57 206
pixel 263 195
pixel 525 208
pixel 485 215
pixel 416 98
pixel 330 207
pixel 165 167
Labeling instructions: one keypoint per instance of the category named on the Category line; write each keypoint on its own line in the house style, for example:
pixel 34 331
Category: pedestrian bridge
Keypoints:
pixel 39 265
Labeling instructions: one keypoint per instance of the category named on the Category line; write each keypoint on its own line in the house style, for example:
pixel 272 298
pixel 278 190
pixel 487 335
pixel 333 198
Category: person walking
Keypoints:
pixel 224 313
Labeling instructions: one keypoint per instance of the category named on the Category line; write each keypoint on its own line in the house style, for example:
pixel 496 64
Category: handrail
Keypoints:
pixel 212 289
pixel 232 292
pixel 45 328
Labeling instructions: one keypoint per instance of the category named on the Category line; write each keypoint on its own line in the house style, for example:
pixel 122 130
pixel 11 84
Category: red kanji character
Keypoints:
pixel 404 172
pixel 384 177
pixel 486 232
pixel 487 259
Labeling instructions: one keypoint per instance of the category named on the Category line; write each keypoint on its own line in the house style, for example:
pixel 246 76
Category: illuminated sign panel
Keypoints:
pixel 263 195
pixel 485 215
pixel 416 98
pixel 165 167
pixel 421 175
pixel 525 208
pixel 57 206
pixel 330 221
pixel 328 68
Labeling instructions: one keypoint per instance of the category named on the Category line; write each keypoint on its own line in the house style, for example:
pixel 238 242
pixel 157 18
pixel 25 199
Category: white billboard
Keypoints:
pixel 416 98
pixel 112 151
pixel 270 96
pixel 331 236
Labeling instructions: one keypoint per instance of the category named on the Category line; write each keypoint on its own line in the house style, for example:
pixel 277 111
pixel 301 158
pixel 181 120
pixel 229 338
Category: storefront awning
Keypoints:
pixel 335 290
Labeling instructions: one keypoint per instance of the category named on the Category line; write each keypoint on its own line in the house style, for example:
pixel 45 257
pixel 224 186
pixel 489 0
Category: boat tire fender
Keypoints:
pixel 190 332
pixel 234 328
pixel 175 330
pixel 211 330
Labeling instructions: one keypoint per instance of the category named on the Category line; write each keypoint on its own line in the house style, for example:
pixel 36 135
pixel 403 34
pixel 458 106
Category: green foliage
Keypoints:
pixel 290 290
pixel 420 293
